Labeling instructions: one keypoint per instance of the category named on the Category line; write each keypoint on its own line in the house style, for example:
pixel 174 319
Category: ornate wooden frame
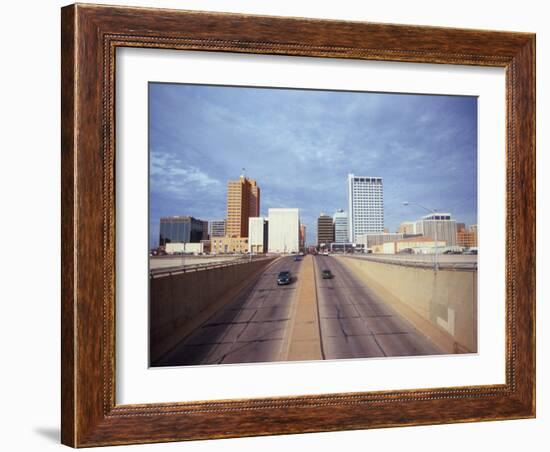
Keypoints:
pixel 90 35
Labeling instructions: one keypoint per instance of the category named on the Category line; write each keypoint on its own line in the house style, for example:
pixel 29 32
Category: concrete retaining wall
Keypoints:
pixel 180 303
pixel 441 304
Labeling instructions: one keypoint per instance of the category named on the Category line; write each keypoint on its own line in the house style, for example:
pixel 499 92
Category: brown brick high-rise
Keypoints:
pixel 325 230
pixel 243 202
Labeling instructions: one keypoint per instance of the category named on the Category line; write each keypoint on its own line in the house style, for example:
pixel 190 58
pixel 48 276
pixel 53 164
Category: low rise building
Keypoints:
pixel 206 248
pixel 417 245
pixel 178 248
pixel 229 245
pixel 344 247
pixel 373 239
pixel 467 238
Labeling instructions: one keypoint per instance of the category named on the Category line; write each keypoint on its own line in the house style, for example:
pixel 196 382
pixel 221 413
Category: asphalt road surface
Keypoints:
pixel 250 329
pixel 355 323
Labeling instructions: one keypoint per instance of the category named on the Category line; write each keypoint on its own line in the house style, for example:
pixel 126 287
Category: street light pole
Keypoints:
pixel 433 211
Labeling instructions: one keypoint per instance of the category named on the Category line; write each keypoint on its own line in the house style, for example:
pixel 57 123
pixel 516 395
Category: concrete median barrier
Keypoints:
pixel 179 303
pixel 442 304
pixel 303 338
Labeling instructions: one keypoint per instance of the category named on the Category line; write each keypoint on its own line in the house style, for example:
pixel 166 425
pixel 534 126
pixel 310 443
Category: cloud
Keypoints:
pixel 169 175
pixel 301 144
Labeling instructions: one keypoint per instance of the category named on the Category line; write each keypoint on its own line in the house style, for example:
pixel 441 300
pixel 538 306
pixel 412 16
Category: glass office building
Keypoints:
pixel 341 227
pixel 181 229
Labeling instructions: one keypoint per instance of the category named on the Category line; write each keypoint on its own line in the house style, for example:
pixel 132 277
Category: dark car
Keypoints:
pixel 297 258
pixel 327 274
pixel 283 278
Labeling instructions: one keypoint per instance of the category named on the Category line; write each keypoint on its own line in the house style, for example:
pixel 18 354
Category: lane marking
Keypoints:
pixel 342 293
pixel 422 329
pixel 289 330
pixel 247 287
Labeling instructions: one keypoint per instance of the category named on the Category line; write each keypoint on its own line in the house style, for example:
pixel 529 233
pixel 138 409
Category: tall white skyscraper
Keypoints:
pixel 341 227
pixel 366 205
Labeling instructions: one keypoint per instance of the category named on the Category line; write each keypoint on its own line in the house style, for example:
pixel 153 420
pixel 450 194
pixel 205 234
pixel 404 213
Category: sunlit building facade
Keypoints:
pixel 243 202
pixel 257 235
pixel 467 238
pixel 283 230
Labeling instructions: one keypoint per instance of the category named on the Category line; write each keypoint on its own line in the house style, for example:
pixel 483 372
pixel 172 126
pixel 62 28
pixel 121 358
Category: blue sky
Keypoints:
pixel 301 144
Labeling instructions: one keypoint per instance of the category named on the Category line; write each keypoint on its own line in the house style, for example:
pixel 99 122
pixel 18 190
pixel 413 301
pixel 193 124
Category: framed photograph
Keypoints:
pixel 281 225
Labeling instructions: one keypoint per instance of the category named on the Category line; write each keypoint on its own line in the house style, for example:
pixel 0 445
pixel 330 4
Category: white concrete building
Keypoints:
pixel 188 247
pixel 416 245
pixel 370 240
pixel 366 205
pixel 283 230
pixel 257 235
pixel 341 227
pixel 438 226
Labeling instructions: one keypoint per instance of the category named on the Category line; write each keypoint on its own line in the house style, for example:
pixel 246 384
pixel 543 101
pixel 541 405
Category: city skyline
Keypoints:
pixel 300 146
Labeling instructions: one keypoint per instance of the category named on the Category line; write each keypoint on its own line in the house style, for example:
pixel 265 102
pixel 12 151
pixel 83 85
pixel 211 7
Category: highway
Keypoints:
pixel 355 323
pixel 261 324
pixel 250 329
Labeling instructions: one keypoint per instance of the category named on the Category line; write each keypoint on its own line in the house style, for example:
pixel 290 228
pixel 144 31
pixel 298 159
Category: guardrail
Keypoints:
pixel 420 263
pixel 177 270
